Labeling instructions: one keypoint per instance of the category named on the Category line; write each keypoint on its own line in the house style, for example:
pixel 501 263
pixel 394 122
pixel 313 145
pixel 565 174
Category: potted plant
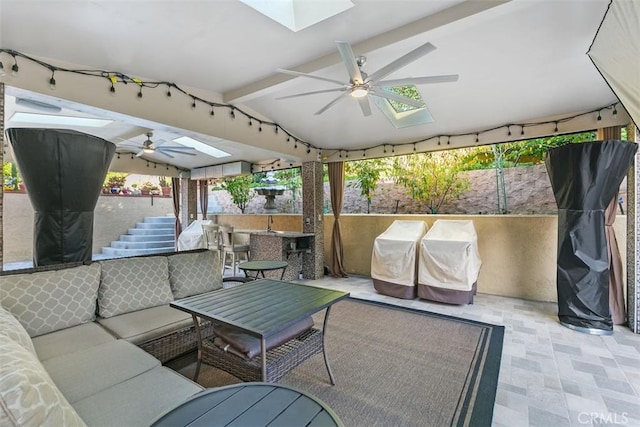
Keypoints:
pixel 165 185
pixel 115 181
pixel 145 188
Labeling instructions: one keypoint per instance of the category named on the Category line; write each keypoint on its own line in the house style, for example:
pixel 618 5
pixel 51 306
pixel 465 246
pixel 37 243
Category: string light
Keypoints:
pixel 15 68
pixel 212 113
pixel 116 78
pixel 250 122
pixel 384 149
pixel 340 153
pixel 555 130
pixel 364 153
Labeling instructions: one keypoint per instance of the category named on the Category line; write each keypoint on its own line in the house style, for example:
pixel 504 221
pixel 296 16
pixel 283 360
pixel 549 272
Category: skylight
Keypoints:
pixel 54 120
pixel 403 115
pixel 299 14
pixel 201 147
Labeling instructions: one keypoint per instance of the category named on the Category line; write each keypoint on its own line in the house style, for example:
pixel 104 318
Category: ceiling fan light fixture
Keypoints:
pixel 148 150
pixel 359 91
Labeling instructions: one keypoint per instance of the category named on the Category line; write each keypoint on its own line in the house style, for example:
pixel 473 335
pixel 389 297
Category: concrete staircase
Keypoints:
pixel 154 235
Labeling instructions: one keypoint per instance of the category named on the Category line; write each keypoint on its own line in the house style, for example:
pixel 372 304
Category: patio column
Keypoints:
pixel 312 217
pixel 633 237
pixel 188 202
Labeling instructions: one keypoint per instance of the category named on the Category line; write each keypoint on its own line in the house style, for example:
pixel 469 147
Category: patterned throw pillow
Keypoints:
pixel 11 329
pixel 46 301
pixel 132 284
pixel 28 395
pixel 194 273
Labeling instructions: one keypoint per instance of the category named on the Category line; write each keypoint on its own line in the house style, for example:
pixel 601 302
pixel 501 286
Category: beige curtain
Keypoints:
pixel 175 184
pixel 336 185
pixel 616 281
pixel 204 197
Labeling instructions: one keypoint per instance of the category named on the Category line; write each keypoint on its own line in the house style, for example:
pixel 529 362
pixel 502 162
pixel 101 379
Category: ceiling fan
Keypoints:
pixel 150 147
pixel 361 85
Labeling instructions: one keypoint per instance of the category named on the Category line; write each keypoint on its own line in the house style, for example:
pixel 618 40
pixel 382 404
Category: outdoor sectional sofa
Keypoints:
pixel 72 339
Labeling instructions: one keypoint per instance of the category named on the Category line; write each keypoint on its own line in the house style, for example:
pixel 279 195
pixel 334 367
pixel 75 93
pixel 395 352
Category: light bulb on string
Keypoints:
pixel 250 122
pixel 169 92
pixel 477 138
pixel 509 132
pixel 52 80
pixel 308 150
pixel 193 104
pixel 393 149
pixel 14 67
pixel 364 153
pixel 555 130
pixel 448 140
pixel 599 118
pixel 384 149
pixel 414 147
pixel 522 131
pixel 275 129
pixel 2 71
pixel 233 114
pixel 615 112
pixel 212 113
pixel 438 140
pixel 140 93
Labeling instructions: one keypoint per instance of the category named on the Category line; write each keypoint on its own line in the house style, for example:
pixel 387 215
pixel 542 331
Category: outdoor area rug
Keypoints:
pixel 398 367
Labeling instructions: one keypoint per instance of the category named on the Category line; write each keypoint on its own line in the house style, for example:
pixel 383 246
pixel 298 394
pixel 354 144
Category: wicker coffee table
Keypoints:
pixel 262 308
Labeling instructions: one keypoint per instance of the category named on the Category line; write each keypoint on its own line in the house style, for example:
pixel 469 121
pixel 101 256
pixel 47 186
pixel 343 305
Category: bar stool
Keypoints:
pixel 230 247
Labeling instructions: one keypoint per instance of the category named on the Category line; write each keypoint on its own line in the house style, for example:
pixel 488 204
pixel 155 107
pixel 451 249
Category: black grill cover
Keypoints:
pixel 585 178
pixel 63 171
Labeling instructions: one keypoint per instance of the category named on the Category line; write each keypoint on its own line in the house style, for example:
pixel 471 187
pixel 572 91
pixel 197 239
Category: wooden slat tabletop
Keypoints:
pixel 251 404
pixel 262 307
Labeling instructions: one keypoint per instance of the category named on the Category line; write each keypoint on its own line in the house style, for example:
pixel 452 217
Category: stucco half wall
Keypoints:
pixel 518 251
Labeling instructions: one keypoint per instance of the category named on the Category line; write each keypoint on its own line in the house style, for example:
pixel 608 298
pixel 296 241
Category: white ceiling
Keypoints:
pixel 519 61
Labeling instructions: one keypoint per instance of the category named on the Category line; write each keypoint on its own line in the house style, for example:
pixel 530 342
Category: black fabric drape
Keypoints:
pixel 585 178
pixel 64 171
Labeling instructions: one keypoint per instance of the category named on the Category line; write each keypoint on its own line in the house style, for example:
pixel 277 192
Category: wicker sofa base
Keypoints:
pixel 177 343
pixel 280 360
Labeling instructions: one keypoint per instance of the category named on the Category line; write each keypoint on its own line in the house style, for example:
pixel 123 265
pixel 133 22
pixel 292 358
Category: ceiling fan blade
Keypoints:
pixel 365 106
pixel 394 96
pixel 332 103
pixel 449 78
pixel 176 147
pixel 401 62
pixel 349 60
pixel 140 153
pixel 312 93
pixel 164 153
pixel 186 153
pixel 311 76
pixel 159 142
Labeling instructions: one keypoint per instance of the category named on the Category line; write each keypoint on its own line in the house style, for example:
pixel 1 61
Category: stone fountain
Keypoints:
pixel 270 190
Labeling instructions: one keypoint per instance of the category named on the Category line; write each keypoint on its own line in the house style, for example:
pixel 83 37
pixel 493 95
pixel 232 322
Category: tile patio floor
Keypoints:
pixel 549 374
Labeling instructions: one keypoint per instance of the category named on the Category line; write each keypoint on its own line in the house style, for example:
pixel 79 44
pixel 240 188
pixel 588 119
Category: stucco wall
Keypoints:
pixel 113 216
pixel 518 251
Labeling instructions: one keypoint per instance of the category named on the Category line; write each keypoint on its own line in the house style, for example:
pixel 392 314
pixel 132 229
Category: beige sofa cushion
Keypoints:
pixel 28 396
pixel 141 326
pixel 130 284
pixel 194 273
pixel 70 340
pixel 50 300
pixel 137 401
pixel 11 329
pixel 84 373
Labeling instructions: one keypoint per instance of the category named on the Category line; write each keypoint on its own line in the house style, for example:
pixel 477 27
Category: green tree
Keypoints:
pixel 115 179
pixel 432 178
pixel 367 174
pixel 239 188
